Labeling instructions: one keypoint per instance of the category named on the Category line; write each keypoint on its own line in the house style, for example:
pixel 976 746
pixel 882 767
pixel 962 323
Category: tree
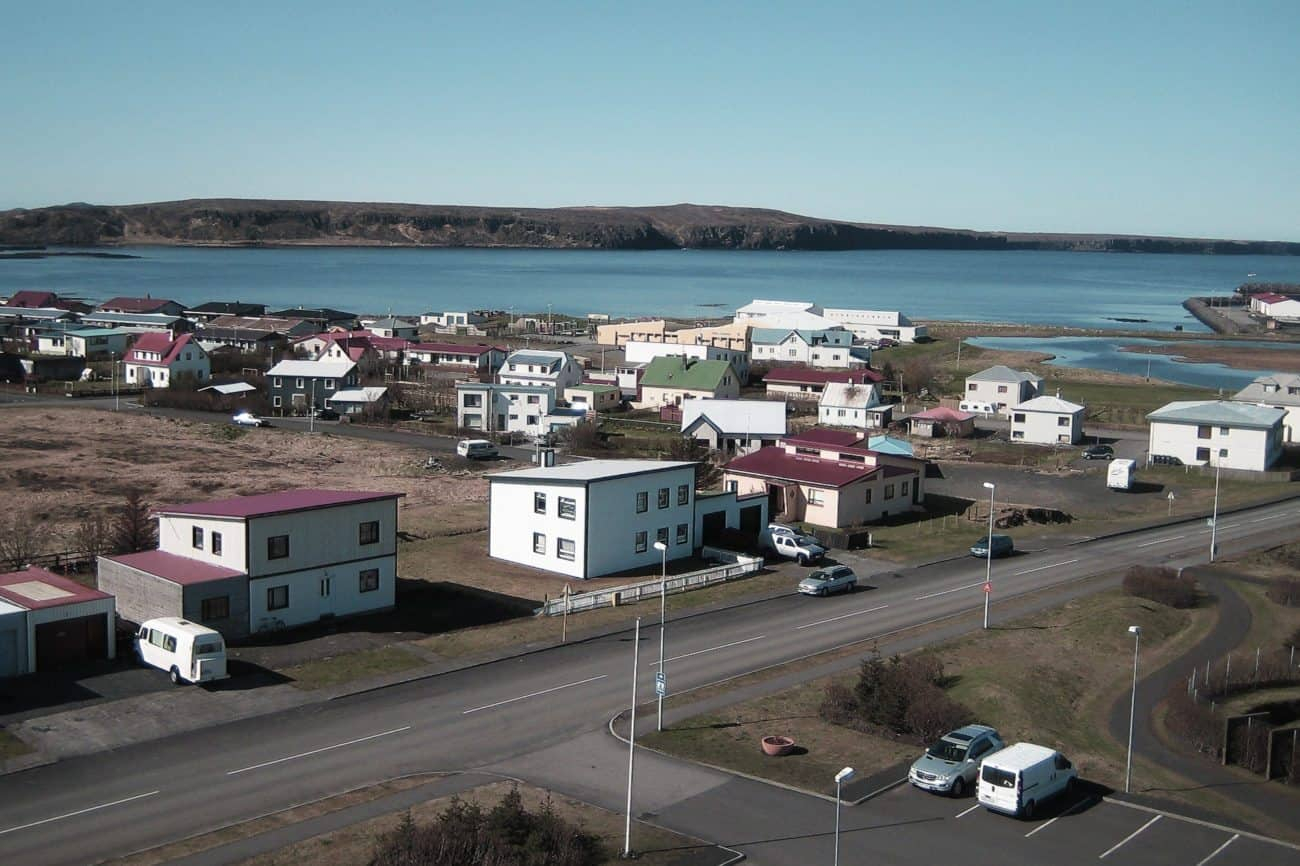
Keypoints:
pixel 133 528
pixel 92 535
pixel 707 473
pixel 22 539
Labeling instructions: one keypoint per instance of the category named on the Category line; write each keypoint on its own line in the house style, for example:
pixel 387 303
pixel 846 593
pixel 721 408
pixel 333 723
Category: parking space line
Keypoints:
pixel 712 649
pixel 533 694
pixel 968 811
pixel 844 616
pixel 946 591
pixel 1045 825
pixel 1161 541
pixel 1215 852
pixel 317 751
pixel 1045 567
pixel 76 813
pixel 1129 837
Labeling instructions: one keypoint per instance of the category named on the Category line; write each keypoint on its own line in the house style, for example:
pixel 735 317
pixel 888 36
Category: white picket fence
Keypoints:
pixel 732 565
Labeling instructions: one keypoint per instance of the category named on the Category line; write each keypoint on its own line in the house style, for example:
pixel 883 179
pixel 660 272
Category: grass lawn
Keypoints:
pixel 351 666
pixel 11 746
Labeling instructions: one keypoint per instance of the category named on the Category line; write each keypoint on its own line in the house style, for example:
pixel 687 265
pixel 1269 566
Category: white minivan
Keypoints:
pixel 476 449
pixel 189 652
pixel 1019 778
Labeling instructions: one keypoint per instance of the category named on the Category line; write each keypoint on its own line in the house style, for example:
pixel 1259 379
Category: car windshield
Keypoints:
pixel 819 575
pixel 947 751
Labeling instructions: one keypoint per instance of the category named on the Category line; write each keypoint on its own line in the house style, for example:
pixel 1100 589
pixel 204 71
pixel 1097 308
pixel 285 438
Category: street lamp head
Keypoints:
pixel 844 775
pixel 1135 630
pixel 989 485
pixel 660 546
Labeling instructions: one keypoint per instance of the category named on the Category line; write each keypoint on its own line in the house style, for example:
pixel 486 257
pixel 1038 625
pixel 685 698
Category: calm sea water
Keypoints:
pixel 1075 289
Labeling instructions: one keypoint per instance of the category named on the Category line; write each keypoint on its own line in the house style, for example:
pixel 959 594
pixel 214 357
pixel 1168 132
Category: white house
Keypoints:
pixel 863 324
pixel 261 563
pixel 642 352
pixel 1001 387
pixel 48 622
pixel 1217 433
pixel 455 322
pixel 823 348
pixel 484 361
pixel 1047 420
pixel 156 360
pixel 592 518
pixel 734 426
pixel 869 325
pixel 529 410
pixel 556 370
pixel 393 328
pixel 856 406
pixel 359 401
pixel 1281 391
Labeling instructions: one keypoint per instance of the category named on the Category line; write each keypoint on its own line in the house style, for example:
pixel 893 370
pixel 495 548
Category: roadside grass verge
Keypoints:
pixel 11 746
pixel 1271 623
pixel 345 668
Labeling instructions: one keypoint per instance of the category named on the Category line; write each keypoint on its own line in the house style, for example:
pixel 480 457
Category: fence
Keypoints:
pixel 733 565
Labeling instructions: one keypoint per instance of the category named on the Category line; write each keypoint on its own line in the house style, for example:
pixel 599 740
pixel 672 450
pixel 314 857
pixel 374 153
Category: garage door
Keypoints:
pixel 70 642
pixel 751 520
pixel 9 653
pixel 714 524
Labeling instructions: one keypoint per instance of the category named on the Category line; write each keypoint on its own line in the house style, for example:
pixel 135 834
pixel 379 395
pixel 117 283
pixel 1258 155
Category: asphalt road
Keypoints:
pixel 533 710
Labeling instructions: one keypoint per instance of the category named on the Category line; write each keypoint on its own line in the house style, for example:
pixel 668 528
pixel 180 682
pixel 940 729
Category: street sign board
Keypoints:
pixel 661 684
pixel 988 587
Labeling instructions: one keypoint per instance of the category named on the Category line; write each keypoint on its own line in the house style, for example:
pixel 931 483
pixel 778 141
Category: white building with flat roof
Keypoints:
pixel 1047 420
pixel 866 325
pixel 1217 433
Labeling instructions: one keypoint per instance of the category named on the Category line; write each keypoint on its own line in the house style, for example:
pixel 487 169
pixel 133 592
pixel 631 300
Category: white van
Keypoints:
pixel 1017 779
pixel 476 449
pixel 1119 475
pixel 188 651
pixel 976 407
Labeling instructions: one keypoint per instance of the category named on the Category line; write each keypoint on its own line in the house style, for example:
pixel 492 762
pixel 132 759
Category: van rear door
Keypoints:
pixel 999 789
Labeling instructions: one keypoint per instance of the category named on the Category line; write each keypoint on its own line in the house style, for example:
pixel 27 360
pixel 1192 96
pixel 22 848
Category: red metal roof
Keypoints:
pixel 135 305
pixel 807 376
pixel 824 436
pixel 776 462
pixel 943 413
pixel 58 590
pixel 264 504
pixel 30 299
pixel 177 569
pixel 160 342
pixel 452 348
pixel 1266 297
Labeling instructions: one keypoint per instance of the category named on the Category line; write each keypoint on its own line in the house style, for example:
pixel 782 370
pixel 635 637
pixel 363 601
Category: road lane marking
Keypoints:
pixel 968 811
pixel 316 751
pixel 1215 852
pixel 837 618
pixel 1129 837
pixel 1045 825
pixel 76 813
pixel 1259 520
pixel 1044 567
pixel 946 591
pixel 711 649
pixel 1230 526
pixel 1161 541
pixel 534 694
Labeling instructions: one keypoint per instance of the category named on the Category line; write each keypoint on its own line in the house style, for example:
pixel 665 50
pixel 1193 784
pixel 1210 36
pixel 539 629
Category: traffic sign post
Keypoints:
pixel 988 587
pixel 661 684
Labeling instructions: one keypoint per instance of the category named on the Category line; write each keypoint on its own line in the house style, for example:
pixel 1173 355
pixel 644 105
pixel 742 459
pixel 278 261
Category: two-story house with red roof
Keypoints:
pixel 261 563
pixel 156 360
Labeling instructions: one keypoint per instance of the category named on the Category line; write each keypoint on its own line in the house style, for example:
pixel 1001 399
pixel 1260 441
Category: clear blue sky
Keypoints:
pixel 1149 117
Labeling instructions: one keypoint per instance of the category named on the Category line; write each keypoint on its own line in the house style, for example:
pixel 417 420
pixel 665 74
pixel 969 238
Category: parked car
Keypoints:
pixel 326 415
pixel 951 765
pixel 1017 779
pixel 476 449
pixel 1098 452
pixel 782 529
pixel 248 419
pixel 1166 460
pixel 1002 546
pixel 797 547
pixel 824 581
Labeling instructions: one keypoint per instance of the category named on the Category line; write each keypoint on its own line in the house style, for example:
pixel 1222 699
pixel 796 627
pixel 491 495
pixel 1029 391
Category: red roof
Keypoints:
pixel 1266 297
pixel 452 348
pixel 177 569
pixel 943 413
pixel 160 342
pixel 776 462
pixel 264 504
pixel 47 589
pixel 807 376
pixel 29 299
pixel 824 436
pixel 135 305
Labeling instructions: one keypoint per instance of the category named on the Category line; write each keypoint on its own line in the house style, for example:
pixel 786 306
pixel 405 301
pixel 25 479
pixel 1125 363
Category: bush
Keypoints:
pixel 931 714
pixel 1190 722
pixel 1285 591
pixel 1162 585
pixel 903 696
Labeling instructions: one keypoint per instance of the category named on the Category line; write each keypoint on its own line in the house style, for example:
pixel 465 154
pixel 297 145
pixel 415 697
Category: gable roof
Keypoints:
pixel 1003 373
pixel 135 305
pixel 675 371
pixel 890 445
pixel 776 462
pixel 1281 385
pixel 32 298
pixel 551 361
pixel 824 336
pixel 266 504
pixel 807 376
pixel 943 413
pixel 313 369
pixel 359 395
pixel 161 343
pixel 1048 403
pixel 1218 412
pixel 761 418
pixel 855 396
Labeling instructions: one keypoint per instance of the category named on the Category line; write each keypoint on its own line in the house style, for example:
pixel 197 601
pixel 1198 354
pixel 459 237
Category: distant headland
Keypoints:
pixel 254 222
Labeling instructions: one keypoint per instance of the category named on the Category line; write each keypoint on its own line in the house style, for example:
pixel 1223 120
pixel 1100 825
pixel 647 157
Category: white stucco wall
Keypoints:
pixel 308 602
pixel 175 535
pixel 1247 448
pixel 322 536
pixel 1046 428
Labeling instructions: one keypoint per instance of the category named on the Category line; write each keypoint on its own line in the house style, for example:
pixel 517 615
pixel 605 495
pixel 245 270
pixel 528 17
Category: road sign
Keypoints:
pixel 661 684
pixel 988 587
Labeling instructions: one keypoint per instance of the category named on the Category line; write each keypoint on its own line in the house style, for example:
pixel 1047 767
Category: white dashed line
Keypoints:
pixel 1215 852
pixel 1161 541
pixel 1045 567
pixel 946 591
pixel 533 694
pixel 317 751
pixel 712 649
pixel 968 811
pixel 78 812
pixel 1129 837
pixel 837 618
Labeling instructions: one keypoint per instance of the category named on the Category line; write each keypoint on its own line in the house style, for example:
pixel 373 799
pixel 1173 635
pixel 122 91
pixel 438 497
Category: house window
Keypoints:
pixel 531 419
pixel 1002 389
pixel 903 490
pixel 565 549
pixel 277 547
pixel 1223 452
pixel 275 401
pixel 533 398
pixel 369 532
pixel 1062 421
pixel 298 383
pixel 814 496
pixel 539 542
pixel 1019 417
pixel 641 541
pixel 473 401
pixel 196 537
pixel 972 387
pixel 325 587
pixel 683 494
pixel 1203 431
pixel 368 580
pixel 889 491
pixel 682 533
pixel 568 508
pixel 642 501
pixel 1017 434
pixel 278 382
pixel 277 597
pixel 216 544
pixel 661 535
pixel 663 497
pixel 1223 431
pixel 539 503
pixel 214 608
pixel 1203 454
pixel 329 384
pixel 868 496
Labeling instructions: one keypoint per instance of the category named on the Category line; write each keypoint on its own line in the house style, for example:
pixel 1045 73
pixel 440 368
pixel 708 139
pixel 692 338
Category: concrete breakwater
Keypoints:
pixel 1215 318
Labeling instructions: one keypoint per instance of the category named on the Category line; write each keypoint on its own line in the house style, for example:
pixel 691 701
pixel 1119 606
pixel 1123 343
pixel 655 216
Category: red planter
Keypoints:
pixel 777 746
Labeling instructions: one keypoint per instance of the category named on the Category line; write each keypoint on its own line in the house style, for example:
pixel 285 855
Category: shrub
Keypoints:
pixel 931 714
pixel 1285 591
pixel 1293 640
pixel 900 695
pixel 1190 722
pixel 1162 585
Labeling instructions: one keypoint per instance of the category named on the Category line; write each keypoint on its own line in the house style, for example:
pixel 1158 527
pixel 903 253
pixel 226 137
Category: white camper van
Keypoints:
pixel 1015 780
pixel 977 407
pixel 188 651
pixel 1119 475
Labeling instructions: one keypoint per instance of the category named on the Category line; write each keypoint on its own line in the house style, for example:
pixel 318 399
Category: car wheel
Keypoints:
pixel 801 559
pixel 1029 810
pixel 959 788
pixel 850 586
pixel 175 676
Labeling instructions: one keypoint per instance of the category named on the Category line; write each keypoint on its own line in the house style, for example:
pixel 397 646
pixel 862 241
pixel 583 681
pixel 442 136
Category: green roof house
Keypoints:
pixel 669 380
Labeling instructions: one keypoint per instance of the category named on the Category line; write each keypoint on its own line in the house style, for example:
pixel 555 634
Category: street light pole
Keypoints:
pixel 663 593
pixel 1214 520
pixel 1136 631
pixel 988 562
pixel 631 742
pixel 840 778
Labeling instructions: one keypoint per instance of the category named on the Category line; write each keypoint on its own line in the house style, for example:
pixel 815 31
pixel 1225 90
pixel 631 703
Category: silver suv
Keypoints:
pixel 951 765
